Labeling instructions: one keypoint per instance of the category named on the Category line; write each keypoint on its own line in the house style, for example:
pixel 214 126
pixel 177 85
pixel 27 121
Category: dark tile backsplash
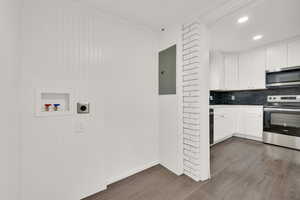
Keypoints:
pixel 250 97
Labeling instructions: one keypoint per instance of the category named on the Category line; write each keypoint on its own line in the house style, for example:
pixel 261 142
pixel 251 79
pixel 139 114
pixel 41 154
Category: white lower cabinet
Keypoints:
pixel 224 123
pixel 250 123
pixel 242 121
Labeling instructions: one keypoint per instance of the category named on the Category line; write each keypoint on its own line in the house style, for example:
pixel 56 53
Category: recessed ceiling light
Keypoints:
pixel 243 19
pixel 258 37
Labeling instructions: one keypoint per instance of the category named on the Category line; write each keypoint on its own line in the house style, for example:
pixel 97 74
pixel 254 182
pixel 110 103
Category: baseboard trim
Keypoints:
pixel 91 193
pixel 222 140
pixel 248 137
pixel 174 171
pixel 131 172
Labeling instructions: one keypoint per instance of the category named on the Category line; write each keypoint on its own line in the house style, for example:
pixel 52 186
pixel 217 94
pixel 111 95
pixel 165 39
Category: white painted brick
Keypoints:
pixel 191 148
pixel 191 66
pixel 191 120
pixel 191 132
pixel 191 110
pixel 192 143
pixel 191 36
pixel 191 154
pixel 191 137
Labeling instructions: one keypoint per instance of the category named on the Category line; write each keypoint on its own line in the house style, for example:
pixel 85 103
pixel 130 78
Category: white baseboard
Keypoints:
pixel 222 140
pixel 131 172
pixel 248 137
pixel 90 193
pixel 178 172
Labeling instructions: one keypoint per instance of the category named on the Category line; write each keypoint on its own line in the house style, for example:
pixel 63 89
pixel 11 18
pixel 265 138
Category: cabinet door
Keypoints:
pixel 219 126
pixel 258 69
pixel 244 71
pixel 224 123
pixel 277 56
pixel 294 53
pixel 254 125
pixel 252 119
pixel 231 72
pixel 252 66
pixel 216 71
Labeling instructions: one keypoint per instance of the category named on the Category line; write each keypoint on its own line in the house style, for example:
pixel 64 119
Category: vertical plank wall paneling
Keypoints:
pixel 108 62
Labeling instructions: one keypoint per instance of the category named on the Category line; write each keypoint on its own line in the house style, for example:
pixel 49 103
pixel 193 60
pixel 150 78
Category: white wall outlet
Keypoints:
pixel 233 98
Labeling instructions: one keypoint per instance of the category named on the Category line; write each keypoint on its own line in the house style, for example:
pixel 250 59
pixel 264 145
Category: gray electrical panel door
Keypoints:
pixel 167 71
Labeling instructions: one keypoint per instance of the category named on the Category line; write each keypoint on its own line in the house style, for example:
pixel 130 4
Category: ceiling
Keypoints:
pixel 156 14
pixel 275 19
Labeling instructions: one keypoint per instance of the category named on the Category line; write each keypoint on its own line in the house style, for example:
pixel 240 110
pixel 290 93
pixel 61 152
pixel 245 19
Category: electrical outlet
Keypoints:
pixel 232 98
pixel 83 108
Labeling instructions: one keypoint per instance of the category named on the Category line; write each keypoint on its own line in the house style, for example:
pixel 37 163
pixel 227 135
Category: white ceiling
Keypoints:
pixel 275 19
pixel 156 13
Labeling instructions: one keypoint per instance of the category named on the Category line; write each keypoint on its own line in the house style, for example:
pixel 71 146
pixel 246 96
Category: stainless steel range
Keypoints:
pixel 282 121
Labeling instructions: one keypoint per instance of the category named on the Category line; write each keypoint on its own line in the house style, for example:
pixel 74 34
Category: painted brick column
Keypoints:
pixel 195 104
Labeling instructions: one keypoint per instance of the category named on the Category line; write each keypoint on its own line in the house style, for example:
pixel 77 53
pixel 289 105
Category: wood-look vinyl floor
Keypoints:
pixel 241 170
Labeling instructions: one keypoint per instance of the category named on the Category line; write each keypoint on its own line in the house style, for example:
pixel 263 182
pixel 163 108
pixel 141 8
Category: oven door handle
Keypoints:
pixel 282 109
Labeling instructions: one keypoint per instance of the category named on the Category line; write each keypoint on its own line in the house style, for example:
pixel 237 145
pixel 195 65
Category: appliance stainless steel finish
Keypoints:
pixel 281 140
pixel 282 121
pixel 283 77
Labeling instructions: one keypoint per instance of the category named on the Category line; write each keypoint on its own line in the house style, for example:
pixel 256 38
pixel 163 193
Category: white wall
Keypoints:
pixel 109 62
pixel 170 113
pixel 9 60
pixel 171 106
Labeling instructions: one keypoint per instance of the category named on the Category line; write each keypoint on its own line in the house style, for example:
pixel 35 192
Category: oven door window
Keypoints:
pixel 283 77
pixel 284 123
pixel 285 120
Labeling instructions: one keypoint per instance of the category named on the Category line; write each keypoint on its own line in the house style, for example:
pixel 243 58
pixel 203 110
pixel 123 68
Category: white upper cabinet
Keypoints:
pixel 258 77
pixel 216 70
pixel 223 71
pixel 244 71
pixel 277 56
pixel 252 66
pixel 231 64
pixel 294 53
pixel 232 71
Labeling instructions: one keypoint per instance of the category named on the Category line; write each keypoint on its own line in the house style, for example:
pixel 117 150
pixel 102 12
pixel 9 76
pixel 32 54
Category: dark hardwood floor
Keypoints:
pixel 241 170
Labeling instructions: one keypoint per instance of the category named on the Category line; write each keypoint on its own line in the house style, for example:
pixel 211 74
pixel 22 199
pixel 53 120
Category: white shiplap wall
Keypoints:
pixel 195 91
pixel 107 61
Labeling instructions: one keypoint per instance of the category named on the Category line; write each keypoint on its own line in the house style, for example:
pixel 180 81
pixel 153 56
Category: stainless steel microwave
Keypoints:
pixel 284 77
